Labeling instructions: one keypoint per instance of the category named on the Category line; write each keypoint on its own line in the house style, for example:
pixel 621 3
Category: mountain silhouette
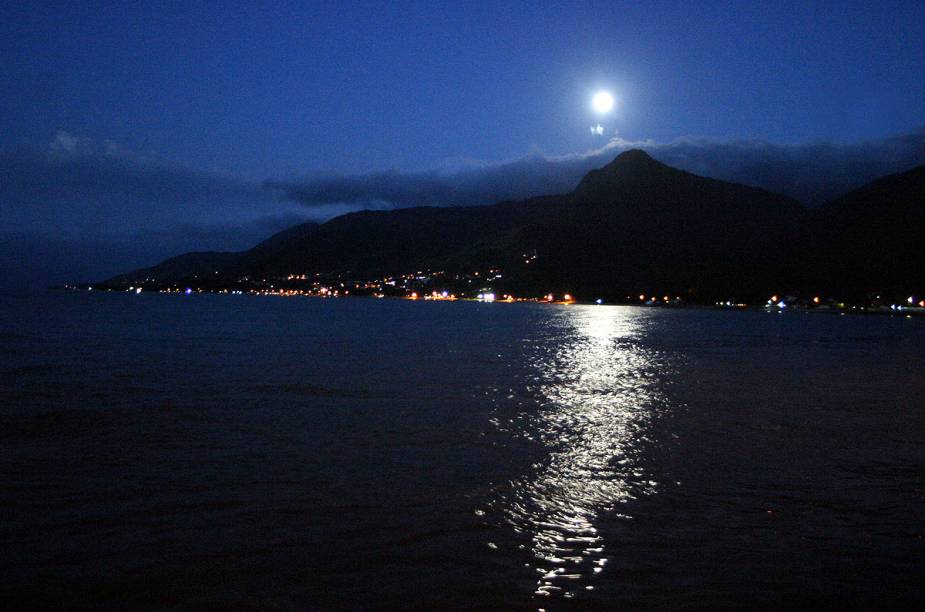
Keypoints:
pixel 633 226
pixel 871 239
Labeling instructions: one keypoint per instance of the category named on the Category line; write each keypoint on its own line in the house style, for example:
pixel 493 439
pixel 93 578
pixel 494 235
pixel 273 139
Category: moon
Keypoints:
pixel 602 102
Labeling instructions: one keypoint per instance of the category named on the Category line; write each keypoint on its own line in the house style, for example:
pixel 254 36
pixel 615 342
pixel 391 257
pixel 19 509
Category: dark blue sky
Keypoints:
pixel 275 89
pixel 158 127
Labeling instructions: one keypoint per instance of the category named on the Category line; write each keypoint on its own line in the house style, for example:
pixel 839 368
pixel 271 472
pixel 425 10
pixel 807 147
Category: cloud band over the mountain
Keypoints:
pixel 812 173
pixel 79 210
pixel 61 199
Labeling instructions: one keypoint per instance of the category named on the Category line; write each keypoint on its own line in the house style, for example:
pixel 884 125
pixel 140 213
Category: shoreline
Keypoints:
pixel 893 310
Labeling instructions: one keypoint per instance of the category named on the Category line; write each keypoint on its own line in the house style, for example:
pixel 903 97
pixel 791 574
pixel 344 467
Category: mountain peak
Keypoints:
pixel 635 159
pixel 632 165
pixel 633 155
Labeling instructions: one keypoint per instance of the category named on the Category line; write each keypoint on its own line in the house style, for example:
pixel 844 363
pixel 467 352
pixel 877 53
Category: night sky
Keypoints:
pixel 132 132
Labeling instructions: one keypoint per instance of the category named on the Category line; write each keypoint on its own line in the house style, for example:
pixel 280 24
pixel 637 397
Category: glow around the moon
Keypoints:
pixel 602 102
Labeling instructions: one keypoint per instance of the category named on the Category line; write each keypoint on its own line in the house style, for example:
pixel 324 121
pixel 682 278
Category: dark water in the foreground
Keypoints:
pixel 208 451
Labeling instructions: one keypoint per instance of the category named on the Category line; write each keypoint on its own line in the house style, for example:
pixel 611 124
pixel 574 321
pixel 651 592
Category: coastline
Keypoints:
pixel 772 306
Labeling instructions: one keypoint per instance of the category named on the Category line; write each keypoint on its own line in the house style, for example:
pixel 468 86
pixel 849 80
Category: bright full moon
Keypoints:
pixel 602 102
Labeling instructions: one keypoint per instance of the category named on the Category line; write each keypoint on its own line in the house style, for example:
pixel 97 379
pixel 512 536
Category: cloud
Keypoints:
pixel 597 130
pixel 474 184
pixel 75 209
pixel 812 173
pixel 74 185
pixel 97 209
pixel 67 143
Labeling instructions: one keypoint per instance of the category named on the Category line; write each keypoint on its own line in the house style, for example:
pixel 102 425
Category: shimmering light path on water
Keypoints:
pixel 235 451
pixel 595 393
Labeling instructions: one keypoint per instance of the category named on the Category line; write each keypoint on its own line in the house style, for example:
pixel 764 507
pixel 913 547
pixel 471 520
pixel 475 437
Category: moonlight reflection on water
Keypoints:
pixel 594 388
pixel 509 456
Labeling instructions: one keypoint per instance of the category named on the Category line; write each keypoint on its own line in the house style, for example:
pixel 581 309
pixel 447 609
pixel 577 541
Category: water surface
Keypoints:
pixel 163 451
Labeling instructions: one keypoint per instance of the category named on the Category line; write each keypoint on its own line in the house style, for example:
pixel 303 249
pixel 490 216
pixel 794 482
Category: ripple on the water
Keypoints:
pixel 595 395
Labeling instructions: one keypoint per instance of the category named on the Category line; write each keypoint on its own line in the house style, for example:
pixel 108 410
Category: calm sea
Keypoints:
pixel 242 452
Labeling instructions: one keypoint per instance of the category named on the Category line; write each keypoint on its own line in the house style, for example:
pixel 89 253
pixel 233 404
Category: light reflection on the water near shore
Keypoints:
pixel 596 396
